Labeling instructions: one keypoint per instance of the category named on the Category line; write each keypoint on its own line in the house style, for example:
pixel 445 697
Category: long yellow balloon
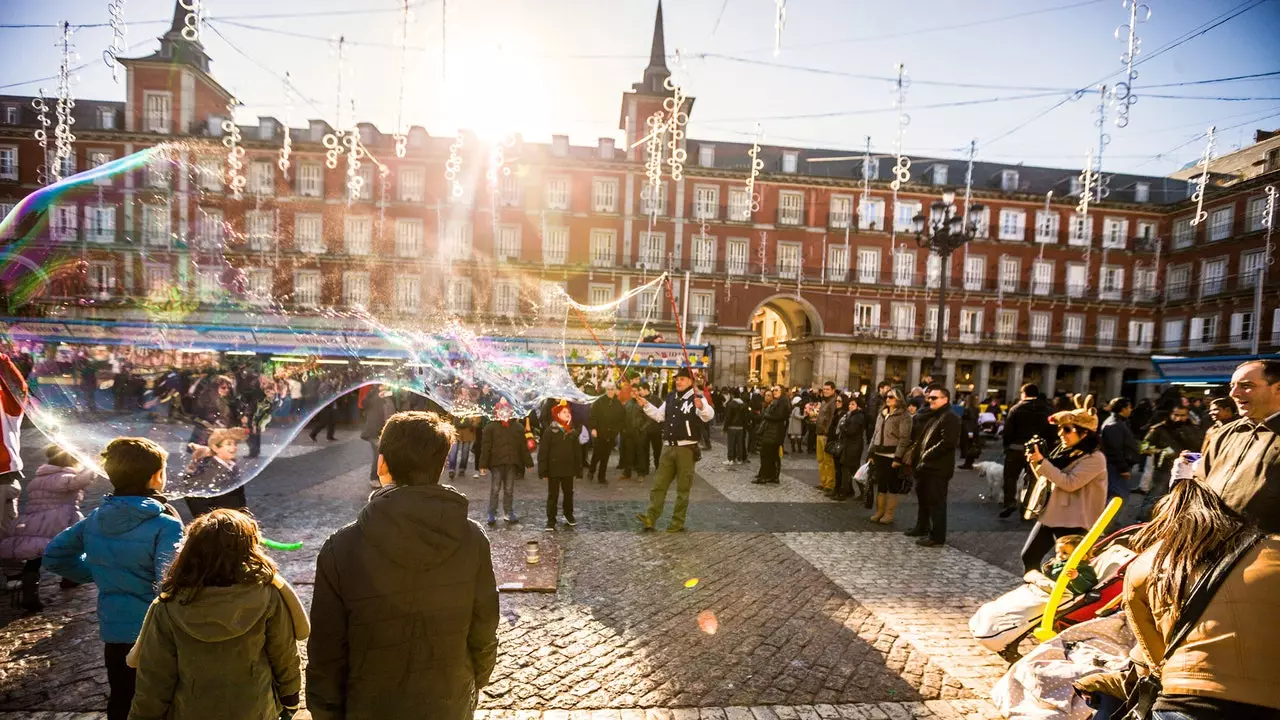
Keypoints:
pixel 1045 632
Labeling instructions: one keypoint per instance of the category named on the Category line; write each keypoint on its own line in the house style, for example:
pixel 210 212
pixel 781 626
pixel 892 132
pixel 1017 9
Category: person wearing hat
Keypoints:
pixel 1077 468
pixel 679 415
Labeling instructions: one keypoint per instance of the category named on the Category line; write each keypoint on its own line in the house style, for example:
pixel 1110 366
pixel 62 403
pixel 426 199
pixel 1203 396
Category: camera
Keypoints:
pixel 1036 443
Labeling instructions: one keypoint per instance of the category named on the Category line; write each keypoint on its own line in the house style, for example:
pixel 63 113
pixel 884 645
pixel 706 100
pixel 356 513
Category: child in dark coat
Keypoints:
pixel 214 466
pixel 559 462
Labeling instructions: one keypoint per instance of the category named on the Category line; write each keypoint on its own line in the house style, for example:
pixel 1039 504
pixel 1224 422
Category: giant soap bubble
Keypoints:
pixel 125 326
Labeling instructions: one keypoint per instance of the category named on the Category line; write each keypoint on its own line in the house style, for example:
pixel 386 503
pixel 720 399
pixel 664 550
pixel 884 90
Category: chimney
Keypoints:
pixel 606 148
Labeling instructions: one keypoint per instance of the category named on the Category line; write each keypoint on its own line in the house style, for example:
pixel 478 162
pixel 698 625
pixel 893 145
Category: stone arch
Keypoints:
pixel 793 311
pixel 786 354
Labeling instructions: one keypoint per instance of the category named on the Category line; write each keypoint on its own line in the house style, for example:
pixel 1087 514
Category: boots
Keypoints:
pixel 31 591
pixel 879 508
pixel 890 504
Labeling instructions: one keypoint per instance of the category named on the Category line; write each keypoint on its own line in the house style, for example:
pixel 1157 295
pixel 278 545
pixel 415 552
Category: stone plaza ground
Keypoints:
pixel 801 609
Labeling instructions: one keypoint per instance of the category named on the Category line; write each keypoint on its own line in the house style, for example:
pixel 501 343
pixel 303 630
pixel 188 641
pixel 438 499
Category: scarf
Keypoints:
pixel 1062 456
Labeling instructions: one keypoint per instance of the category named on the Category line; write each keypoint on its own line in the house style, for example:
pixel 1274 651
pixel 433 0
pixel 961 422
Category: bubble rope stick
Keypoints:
pixel 1045 632
pixel 111 56
pixel 675 312
pixel 272 544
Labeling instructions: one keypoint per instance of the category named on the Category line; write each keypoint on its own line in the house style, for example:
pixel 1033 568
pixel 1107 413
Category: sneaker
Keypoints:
pixel 642 479
pixel 728 462
pixel 644 520
pixel 475 474
pixel 915 533
pixel 452 474
pixel 492 520
pixel 570 521
pixel 1008 510
pixel 512 518
pixel 929 542
pixel 550 527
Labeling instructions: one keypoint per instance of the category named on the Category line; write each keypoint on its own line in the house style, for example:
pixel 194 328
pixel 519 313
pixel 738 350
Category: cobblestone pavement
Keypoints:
pixel 801 609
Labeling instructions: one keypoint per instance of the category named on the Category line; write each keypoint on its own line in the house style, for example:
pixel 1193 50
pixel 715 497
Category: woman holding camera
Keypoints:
pixel 1077 470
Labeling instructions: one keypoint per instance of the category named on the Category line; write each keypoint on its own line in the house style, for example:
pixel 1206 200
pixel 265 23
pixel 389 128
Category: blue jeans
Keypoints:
pixel 460 448
pixel 502 480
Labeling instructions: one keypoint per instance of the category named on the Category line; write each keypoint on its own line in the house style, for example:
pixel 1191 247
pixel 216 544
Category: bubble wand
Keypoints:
pixel 1045 632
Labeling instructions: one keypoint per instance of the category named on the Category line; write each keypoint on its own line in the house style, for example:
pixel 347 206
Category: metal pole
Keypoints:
pixel 942 310
pixel 684 312
pixel 1257 309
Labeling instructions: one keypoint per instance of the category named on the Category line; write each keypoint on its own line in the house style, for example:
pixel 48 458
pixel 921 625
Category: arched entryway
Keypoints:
pixel 782 329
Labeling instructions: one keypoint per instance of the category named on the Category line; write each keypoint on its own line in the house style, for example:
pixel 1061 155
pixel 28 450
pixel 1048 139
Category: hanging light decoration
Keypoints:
pixel 1125 99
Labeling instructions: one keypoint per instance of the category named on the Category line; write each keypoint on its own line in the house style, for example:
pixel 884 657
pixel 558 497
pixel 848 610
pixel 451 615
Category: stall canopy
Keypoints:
pixel 1214 370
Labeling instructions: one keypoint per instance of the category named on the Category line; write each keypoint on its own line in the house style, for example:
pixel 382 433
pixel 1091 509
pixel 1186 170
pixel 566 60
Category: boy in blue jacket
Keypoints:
pixel 124 547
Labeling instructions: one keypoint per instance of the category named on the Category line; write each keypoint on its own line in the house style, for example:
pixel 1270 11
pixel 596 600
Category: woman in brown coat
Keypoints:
pixel 889 443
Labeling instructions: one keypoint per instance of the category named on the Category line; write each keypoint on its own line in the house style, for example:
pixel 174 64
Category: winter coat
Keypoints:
pixel 1119 445
pixel 893 431
pixel 405 611
pixel 467 428
pixel 635 421
pixel 606 417
pixel 504 446
pixel 559 453
pixel 9 494
pixel 124 547
pixel 1025 420
pixel 825 415
pixel 735 414
pixel 852 431
pixel 773 422
pixel 969 420
pixel 1079 492
pixel 376 411
pixel 795 425
pixel 935 435
pixel 1242 465
pixel 231 652
pixel 1172 438
pixel 53 505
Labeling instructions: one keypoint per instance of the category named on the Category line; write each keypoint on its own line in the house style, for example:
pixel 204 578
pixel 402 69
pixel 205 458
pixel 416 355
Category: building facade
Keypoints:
pixel 815 276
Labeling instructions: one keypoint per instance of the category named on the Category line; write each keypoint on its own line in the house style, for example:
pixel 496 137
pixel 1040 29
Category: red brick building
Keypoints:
pixel 1041 295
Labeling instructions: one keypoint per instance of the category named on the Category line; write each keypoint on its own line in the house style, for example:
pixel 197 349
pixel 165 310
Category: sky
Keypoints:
pixel 543 67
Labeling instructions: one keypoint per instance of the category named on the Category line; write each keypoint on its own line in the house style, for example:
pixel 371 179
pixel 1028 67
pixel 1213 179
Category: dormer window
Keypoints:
pixel 560 145
pixel 1008 181
pixel 1076 186
pixel 1142 192
pixel 939 174
pixel 707 156
pixel 790 161
pixel 10 114
pixel 870 170
pixel 107 118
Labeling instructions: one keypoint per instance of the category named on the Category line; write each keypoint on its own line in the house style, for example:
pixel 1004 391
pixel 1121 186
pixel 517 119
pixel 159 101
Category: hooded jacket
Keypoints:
pixel 231 652
pixel 405 611
pixel 503 445
pixel 735 414
pixel 124 548
pixel 560 453
pixel 53 505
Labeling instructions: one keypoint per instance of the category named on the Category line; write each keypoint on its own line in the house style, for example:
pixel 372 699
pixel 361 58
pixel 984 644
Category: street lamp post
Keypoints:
pixel 942 233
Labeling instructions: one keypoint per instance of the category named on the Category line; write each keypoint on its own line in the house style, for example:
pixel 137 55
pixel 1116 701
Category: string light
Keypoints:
pixel 865 200
pixel 779 22
pixel 63 137
pixel 756 166
pixel 111 56
pixel 1203 181
pixel 677 118
pixel 968 188
pixel 286 148
pixel 355 153
pixel 497 161
pixel 41 106
pixel 902 166
pixel 235 152
pixel 453 166
pixel 1125 99
pixel 402 140
pixel 191 21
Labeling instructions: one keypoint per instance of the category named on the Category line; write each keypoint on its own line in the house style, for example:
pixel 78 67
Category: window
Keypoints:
pixel 1184 233
pixel 1072 330
pixel 1178 282
pixel 1112 283
pixel 509 190
pixel 706 202
pixel 155 224
pixel 1010 268
pixel 933 271
pixel 308 236
pixel 5 209
pixel 209 174
pixel 735 252
pixel 790 207
pixel 106 118
pixel 1039 334
pixel 869 265
pixel 260 229
pixel 1212 275
pixel 702 306
pixel 506 298
pixel 358 235
pixel 258 285
pixel 262 178
pixel 553 300
pixel 1046 226
pixel 931 324
pixel 99 223
pixel 408 293
pixel 1077 186
pixel 975 272
pixel 306 288
pixel 555 245
pixel 1242 328
pixel 1077 280
pixel 1204 333
pixel 64 222
pixel 156 112
pixel 1275 327
pixel 10 114
pixel 1041 277
pixel 604 195
pixel 1220 223
pixel 209 228
pixel 871 214
pixel 870 169
pixel 707 156
pixel 653 250
pixel 157 278
pixel 457 240
pixel 8 163
pixel 67 166
pixel 1006 326
pixel 840 214
pixel 837 268
pixel 603 248
pixel 1142 192
pixel 1081 231
pixel 1114 232
pixel 408 238
pixel 982 227
pixel 157 173
pixel 507 242
pixel 1141 335
pixel 903 212
pixel 412 185
pixel 866 316
pixel 789 260
pixel 1008 181
pixel 98 158
pixel 739 205
pixel 1144 283
pixel 598 294
pixel 939 174
pixel 1106 332
pixel 102 278
pixel 209 286
pixel 704 254
pixel 557 193
pixel 904 268
pixel 1250 264
pixel 790 161
pixel 1147 234
pixel 1013 225
pixel 1257 214
pixel 365 189
pixel 653 201
pixel 970 326
pixel 904 321
pixel 355 289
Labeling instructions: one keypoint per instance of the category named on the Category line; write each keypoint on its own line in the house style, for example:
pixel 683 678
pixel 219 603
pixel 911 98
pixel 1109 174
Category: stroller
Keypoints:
pixel 1001 624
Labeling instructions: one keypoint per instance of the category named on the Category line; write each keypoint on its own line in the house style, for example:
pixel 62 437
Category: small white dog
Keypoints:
pixel 992 474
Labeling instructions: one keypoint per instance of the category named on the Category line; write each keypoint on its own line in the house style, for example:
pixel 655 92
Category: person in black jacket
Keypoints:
pixel 377 408
pixel 634 449
pixel 755 408
pixel 851 429
pixel 773 431
pixel 1030 417
pixel 1119 446
pixel 935 434
pixel 606 422
pixel 506 456
pixel 559 461
pixel 735 424
pixel 411 554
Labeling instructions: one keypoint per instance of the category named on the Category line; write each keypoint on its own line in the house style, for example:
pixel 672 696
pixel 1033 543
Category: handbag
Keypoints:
pixel 1035 496
pixel 1144 690
pixel 835 447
